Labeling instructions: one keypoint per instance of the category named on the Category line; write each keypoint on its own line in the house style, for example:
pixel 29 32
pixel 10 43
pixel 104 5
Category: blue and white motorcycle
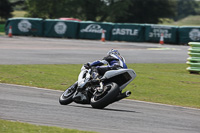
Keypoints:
pixel 99 94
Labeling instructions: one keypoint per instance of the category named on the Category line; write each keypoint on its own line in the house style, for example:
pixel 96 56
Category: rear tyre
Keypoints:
pixel 103 99
pixel 66 97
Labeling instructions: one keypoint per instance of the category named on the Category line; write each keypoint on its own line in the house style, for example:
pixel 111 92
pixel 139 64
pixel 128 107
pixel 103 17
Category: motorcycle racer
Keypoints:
pixel 113 61
pixel 96 86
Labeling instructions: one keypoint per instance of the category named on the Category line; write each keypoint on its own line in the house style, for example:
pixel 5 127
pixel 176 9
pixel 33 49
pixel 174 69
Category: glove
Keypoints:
pixel 87 65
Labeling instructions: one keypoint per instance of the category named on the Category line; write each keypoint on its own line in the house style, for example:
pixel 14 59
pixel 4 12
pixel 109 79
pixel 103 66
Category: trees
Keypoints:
pixel 113 10
pixel 5 9
pixel 185 8
pixel 143 11
pixel 82 9
pixel 45 8
pixel 148 11
pixel 123 11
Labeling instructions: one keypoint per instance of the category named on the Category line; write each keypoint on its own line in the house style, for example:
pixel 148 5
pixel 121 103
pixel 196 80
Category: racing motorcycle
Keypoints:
pixel 98 93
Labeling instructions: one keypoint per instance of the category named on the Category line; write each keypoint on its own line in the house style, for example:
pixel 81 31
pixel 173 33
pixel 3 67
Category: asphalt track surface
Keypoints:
pixel 33 50
pixel 40 106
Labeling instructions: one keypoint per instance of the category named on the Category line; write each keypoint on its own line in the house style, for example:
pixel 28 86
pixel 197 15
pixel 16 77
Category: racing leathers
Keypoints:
pixel 112 62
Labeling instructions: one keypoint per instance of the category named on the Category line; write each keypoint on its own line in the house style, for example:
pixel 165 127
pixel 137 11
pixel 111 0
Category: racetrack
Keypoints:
pixel 34 50
pixel 41 106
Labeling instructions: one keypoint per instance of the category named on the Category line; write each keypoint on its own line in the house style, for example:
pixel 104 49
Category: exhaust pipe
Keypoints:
pixel 128 93
pixel 123 95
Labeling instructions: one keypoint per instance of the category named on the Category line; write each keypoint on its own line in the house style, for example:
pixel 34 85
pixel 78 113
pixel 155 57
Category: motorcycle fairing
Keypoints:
pixel 122 77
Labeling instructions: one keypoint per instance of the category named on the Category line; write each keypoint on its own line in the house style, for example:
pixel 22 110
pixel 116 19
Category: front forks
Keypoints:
pixel 100 89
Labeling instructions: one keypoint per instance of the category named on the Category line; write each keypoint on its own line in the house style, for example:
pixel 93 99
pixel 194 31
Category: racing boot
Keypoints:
pixel 95 76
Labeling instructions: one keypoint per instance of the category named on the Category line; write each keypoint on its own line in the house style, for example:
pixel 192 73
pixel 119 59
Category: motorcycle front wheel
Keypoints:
pixel 102 99
pixel 66 97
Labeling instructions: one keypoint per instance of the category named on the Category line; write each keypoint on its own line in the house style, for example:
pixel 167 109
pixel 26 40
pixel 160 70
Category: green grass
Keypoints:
pixel 2 30
pixel 45 76
pixel 161 83
pixel 19 13
pixel 166 83
pixel 2 33
pixel 18 127
pixel 188 21
pixel 2 27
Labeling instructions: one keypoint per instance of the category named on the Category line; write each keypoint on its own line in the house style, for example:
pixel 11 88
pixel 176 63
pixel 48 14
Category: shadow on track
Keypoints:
pixel 107 109
pixel 120 110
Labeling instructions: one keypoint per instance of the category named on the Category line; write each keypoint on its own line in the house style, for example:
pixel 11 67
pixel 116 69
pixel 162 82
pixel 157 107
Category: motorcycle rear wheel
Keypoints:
pixel 103 99
pixel 66 97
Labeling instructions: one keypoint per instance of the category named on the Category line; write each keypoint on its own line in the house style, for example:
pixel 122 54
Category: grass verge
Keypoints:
pixel 161 83
pixel 2 33
pixel 2 30
pixel 19 13
pixel 2 26
pixel 18 127
pixel 188 21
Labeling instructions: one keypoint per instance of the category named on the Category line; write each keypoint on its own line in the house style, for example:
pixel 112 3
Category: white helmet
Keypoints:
pixel 113 51
pixel 116 54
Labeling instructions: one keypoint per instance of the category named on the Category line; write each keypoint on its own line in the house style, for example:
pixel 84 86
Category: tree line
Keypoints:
pixel 117 11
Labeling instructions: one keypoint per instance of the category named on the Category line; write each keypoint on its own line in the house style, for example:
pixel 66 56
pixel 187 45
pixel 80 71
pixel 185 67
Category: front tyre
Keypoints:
pixel 66 97
pixel 103 99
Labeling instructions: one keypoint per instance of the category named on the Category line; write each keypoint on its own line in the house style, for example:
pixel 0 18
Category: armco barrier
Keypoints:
pixel 194 59
pixel 25 26
pixel 153 33
pixel 128 32
pixel 93 30
pixel 60 28
pixel 188 34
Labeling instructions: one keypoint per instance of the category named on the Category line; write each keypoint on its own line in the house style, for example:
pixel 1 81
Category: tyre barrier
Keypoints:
pixel 193 61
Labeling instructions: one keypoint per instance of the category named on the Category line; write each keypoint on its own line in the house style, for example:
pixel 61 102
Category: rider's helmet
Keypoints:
pixel 113 51
pixel 116 53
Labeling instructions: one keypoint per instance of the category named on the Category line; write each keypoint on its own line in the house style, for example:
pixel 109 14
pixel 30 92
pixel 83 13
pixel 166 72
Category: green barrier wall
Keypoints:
pixel 25 26
pixel 153 33
pixel 93 30
pixel 194 59
pixel 60 28
pixel 188 34
pixel 128 32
